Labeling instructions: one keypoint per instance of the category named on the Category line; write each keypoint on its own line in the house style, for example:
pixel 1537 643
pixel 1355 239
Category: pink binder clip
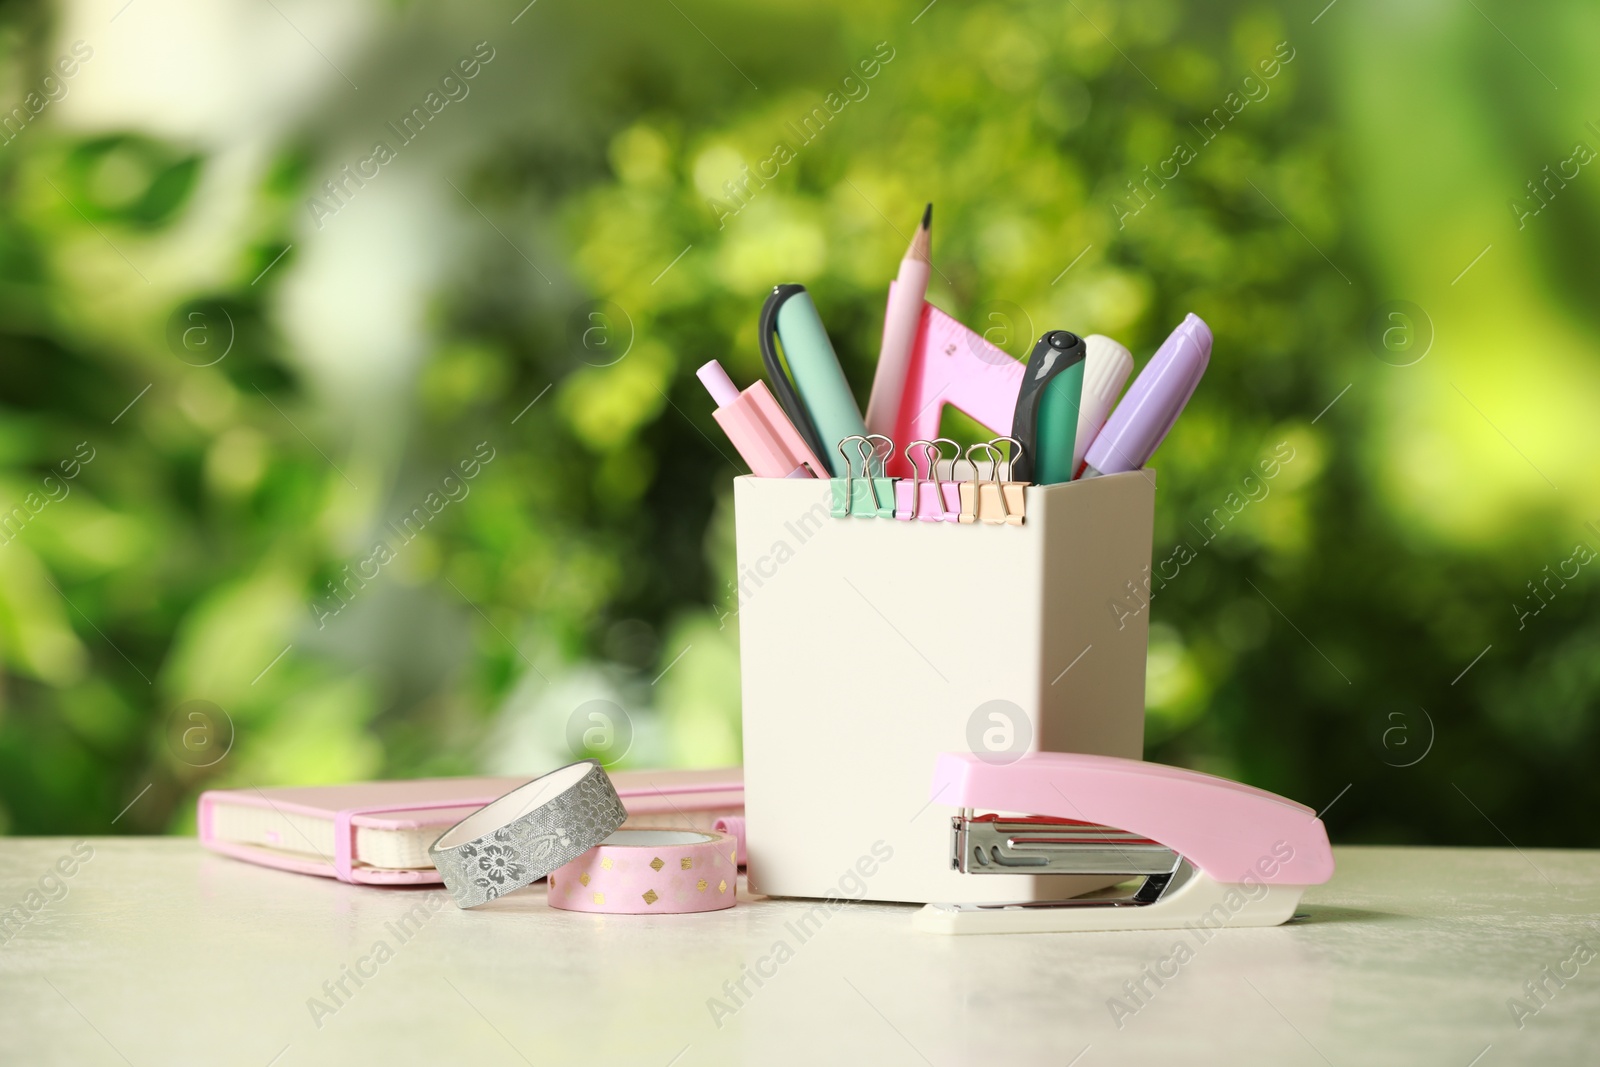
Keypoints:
pixel 927 499
pixel 1211 852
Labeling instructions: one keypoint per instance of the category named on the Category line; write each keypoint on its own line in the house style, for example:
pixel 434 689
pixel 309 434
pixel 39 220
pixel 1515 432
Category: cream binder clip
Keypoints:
pixel 997 499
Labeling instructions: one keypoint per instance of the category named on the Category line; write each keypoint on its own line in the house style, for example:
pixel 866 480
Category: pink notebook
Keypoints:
pixel 378 833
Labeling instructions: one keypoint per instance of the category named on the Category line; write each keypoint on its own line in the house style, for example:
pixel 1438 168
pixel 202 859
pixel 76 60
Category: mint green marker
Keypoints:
pixel 1046 418
pixel 817 375
pixel 1058 425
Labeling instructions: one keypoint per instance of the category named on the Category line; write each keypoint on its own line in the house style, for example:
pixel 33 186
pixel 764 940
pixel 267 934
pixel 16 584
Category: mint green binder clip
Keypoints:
pixel 871 495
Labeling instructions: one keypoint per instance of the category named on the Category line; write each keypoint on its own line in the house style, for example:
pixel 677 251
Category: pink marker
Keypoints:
pixel 758 428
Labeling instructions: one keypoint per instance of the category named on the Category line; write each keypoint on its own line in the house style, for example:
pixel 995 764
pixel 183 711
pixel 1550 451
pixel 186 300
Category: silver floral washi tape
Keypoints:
pixel 527 833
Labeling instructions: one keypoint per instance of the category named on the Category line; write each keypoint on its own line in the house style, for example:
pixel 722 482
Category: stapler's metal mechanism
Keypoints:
pixel 1210 852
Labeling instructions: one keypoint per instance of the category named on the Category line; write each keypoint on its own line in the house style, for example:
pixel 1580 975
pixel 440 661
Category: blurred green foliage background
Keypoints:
pixel 256 379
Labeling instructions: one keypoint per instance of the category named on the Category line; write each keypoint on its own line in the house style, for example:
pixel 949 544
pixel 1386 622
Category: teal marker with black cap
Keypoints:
pixel 1046 418
pixel 829 408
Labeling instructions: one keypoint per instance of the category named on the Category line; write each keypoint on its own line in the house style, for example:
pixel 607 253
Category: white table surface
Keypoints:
pixel 160 953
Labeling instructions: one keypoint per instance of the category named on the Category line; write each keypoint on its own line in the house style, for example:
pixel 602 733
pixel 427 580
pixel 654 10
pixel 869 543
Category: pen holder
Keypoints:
pixel 870 646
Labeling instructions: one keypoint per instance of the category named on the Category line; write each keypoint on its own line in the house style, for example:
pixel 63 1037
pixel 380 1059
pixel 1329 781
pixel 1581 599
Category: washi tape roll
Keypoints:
pixel 641 872
pixel 733 826
pixel 527 833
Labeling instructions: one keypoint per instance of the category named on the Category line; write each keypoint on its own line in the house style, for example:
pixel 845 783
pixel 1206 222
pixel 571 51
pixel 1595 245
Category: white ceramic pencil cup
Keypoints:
pixel 868 646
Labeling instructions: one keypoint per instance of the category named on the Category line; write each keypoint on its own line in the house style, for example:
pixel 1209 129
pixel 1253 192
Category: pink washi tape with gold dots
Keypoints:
pixel 642 872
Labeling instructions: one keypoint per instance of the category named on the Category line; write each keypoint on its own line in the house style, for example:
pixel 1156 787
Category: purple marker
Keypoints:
pixel 1153 403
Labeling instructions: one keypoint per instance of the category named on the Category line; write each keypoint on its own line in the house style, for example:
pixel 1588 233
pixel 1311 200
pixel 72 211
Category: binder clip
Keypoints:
pixel 993 500
pixel 1211 852
pixel 927 499
pixel 870 495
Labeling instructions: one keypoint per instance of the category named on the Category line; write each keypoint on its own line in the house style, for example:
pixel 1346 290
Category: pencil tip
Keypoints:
pixel 922 241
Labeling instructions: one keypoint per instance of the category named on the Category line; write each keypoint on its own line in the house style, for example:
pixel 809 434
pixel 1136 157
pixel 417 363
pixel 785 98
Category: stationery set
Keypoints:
pixel 914 610
pixel 935 711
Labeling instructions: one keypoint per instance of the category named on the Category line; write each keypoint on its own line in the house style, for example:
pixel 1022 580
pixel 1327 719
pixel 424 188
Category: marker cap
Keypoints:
pixel 1105 371
pixel 718 384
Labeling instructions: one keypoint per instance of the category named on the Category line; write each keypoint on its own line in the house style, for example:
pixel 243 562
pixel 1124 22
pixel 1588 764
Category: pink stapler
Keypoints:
pixel 1211 852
